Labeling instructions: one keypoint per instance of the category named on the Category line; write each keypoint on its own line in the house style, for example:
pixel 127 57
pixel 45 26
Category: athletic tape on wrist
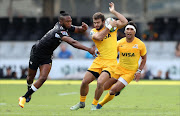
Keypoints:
pixel 109 27
pixel 139 70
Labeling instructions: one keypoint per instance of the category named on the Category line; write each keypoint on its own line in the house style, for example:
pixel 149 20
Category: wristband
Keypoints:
pixel 109 27
pixel 139 71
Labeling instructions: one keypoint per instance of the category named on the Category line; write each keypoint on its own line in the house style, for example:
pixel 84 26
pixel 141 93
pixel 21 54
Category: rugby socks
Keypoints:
pixel 82 98
pixel 30 91
pixel 95 102
pixel 106 99
pixel 29 86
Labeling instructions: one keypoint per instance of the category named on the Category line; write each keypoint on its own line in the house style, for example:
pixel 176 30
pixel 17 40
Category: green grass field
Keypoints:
pixel 146 98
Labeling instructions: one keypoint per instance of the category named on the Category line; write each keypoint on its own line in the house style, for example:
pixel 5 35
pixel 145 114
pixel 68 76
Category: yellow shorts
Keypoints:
pixel 124 73
pixel 100 64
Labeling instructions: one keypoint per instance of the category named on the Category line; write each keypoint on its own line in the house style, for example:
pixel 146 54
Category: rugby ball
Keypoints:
pixel 107 23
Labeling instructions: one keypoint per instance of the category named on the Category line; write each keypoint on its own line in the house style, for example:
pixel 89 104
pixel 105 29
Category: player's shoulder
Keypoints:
pixel 58 28
pixel 93 31
pixel 140 42
pixel 122 40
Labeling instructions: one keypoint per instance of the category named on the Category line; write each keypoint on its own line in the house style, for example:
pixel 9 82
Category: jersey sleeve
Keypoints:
pixel 92 33
pixel 72 29
pixel 118 43
pixel 143 50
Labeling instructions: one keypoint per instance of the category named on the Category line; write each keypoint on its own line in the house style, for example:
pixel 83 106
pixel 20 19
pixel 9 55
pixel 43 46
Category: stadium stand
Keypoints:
pixel 32 29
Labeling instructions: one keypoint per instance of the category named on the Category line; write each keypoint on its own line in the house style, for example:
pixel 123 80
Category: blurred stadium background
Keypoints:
pixel 23 22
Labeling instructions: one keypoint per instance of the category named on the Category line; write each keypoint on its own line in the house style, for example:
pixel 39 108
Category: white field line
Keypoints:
pixel 2 104
pixel 63 94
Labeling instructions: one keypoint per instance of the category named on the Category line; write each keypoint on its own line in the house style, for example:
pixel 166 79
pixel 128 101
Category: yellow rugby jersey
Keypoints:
pixel 130 53
pixel 108 46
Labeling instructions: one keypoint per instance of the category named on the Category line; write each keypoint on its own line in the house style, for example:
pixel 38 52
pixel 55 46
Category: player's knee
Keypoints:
pixel 84 83
pixel 29 79
pixel 99 85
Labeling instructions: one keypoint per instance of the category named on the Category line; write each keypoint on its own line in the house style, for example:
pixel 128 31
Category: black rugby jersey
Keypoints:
pixel 50 41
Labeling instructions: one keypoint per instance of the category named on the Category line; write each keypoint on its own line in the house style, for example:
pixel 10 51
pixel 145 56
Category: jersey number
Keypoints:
pixel 107 36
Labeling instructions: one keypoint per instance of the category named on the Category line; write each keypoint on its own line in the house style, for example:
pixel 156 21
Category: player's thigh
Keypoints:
pixel 104 76
pixel 44 70
pixel 89 77
pixel 45 66
pixel 109 83
pixel 31 73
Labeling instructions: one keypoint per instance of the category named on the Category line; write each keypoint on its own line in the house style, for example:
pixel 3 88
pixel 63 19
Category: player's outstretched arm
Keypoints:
pixel 81 29
pixel 78 45
pixel 122 20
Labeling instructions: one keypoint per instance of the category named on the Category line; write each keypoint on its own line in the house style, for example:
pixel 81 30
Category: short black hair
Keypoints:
pixel 133 24
pixel 62 14
pixel 99 15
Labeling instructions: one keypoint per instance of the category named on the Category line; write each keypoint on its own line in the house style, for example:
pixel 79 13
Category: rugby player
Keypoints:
pixel 106 43
pixel 42 51
pixel 130 50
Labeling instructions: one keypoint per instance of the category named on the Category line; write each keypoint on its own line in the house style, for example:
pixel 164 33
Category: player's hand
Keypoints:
pixel 97 52
pixel 93 51
pixel 111 8
pixel 84 26
pixel 137 76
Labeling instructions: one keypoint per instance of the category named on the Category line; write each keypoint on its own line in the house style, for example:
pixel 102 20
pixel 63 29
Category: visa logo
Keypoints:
pixel 128 54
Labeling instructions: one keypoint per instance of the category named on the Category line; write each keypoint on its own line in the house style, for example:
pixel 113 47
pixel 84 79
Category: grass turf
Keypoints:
pixel 56 97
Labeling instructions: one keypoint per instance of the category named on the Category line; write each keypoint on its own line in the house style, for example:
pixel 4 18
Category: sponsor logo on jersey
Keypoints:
pixel 135 46
pixel 92 32
pixel 64 33
pixel 30 62
pixel 128 54
pixel 57 35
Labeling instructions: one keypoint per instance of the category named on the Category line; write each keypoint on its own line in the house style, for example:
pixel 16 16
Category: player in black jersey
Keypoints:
pixel 42 51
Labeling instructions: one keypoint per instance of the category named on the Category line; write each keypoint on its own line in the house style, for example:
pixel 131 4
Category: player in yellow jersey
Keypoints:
pixel 130 50
pixel 106 43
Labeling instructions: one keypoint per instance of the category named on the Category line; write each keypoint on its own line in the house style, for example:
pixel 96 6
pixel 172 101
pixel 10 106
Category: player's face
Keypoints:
pixel 130 33
pixel 67 22
pixel 98 24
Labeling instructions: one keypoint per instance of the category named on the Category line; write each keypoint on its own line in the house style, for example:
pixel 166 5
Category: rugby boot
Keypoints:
pixel 22 101
pixel 78 105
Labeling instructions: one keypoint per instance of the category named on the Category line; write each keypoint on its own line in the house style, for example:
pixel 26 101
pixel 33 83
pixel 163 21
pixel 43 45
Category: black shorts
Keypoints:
pixel 35 61
pixel 96 75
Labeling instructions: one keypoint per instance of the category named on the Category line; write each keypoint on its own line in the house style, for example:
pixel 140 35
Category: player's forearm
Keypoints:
pixel 78 45
pixel 143 62
pixel 122 20
pixel 120 17
pixel 101 35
